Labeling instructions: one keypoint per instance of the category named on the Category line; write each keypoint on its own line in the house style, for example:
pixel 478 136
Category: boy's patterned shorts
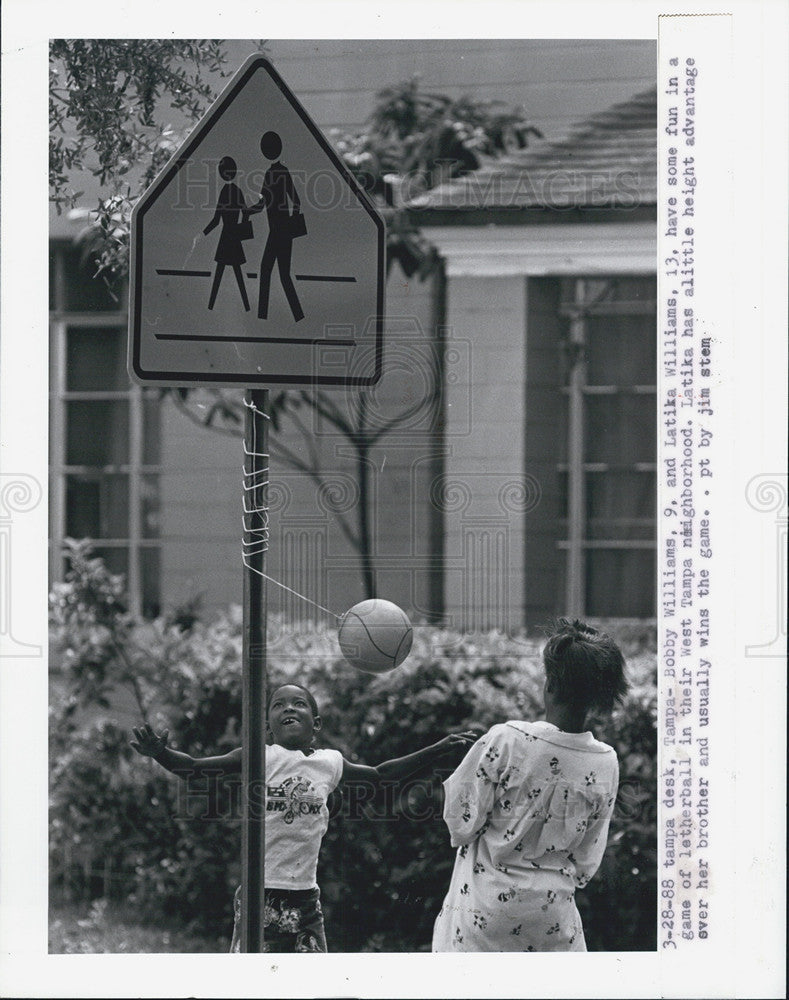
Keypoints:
pixel 292 921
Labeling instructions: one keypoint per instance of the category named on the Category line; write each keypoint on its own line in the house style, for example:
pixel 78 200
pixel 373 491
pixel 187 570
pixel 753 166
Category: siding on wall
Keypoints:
pixel 200 511
pixel 484 455
pixel 545 446
pixel 535 256
pixel 557 80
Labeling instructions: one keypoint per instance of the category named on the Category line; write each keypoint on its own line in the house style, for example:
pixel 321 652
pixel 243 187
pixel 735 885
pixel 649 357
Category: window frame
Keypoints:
pixel 577 391
pixel 61 320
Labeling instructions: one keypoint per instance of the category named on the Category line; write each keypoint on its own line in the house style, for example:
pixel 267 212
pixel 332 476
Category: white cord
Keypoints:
pixel 255 539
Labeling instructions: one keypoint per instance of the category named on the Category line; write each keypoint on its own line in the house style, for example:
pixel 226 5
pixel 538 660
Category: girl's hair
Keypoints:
pixel 586 667
pixel 312 703
pixel 227 168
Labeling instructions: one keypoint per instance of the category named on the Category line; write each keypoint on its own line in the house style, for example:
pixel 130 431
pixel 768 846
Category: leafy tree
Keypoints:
pixel 414 141
pixel 92 629
pixel 106 98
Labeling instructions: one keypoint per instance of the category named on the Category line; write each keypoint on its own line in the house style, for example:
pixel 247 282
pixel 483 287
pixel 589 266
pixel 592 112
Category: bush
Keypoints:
pixel 120 825
pixel 102 928
pixel 385 862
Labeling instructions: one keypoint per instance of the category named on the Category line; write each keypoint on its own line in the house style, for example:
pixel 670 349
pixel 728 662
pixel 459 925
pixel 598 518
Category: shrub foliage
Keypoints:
pixel 173 851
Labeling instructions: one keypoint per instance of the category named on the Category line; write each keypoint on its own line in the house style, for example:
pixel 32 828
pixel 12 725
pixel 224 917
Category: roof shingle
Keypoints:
pixel 606 161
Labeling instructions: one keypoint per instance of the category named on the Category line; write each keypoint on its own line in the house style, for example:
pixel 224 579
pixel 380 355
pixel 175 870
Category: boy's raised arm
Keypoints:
pixel 148 744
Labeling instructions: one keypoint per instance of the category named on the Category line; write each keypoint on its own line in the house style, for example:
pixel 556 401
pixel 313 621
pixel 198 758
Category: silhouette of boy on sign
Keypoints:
pixel 276 193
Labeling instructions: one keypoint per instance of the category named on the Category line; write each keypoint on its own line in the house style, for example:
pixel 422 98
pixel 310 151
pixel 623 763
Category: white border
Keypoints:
pixel 754 967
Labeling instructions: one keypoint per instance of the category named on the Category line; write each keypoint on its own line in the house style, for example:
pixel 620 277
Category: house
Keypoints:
pixel 550 285
pixel 526 488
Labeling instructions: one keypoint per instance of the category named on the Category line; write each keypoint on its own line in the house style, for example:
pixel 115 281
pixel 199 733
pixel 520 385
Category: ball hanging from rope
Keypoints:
pixel 375 636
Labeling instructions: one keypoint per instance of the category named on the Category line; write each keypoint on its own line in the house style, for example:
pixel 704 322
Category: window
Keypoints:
pixel 104 433
pixel 609 469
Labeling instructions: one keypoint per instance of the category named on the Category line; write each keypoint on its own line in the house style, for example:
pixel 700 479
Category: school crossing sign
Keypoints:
pixel 255 257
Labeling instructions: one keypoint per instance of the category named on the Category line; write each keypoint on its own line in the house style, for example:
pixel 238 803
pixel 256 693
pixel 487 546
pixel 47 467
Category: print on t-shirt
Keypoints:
pixel 296 796
pixel 298 786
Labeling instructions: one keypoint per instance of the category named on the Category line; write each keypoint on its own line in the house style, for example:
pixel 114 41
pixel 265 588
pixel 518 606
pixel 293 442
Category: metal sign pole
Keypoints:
pixel 177 337
pixel 256 465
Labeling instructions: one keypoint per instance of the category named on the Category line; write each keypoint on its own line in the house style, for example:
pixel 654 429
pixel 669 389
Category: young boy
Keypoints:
pixel 299 780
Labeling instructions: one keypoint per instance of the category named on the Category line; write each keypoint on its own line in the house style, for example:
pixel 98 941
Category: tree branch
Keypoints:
pixel 131 678
pixel 290 457
pixel 342 522
pixel 282 451
pixel 182 407
pixel 314 474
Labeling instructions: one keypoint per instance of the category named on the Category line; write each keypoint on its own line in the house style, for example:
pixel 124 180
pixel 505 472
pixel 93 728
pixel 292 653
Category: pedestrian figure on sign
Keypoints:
pixel 276 195
pixel 235 228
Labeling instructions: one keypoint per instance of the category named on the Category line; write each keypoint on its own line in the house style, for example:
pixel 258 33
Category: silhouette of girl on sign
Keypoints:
pixel 235 228
pixel 276 193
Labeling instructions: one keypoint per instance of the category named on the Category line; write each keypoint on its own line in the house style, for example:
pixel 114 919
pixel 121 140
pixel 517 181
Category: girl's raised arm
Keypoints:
pixel 148 744
pixel 469 792
pixel 456 744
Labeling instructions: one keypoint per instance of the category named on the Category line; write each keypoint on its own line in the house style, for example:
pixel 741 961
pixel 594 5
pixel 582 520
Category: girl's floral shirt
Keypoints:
pixel 528 809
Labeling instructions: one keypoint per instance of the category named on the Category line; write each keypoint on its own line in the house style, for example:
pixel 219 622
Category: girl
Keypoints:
pixel 529 808
pixel 235 228
pixel 299 779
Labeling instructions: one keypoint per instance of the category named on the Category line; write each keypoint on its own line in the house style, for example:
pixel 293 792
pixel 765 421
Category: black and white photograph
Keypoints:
pixel 485 507
pixel 380 517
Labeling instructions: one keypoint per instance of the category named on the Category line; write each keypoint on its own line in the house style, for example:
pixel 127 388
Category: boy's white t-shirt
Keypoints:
pixel 297 816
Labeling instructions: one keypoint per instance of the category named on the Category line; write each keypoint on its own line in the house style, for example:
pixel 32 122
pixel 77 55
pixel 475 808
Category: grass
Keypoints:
pixel 102 928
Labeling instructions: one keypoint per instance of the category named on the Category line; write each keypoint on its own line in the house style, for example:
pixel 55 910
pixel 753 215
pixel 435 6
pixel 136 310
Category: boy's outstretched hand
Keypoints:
pixel 147 743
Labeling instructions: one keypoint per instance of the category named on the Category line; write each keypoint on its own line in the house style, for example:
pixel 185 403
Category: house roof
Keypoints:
pixel 604 162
